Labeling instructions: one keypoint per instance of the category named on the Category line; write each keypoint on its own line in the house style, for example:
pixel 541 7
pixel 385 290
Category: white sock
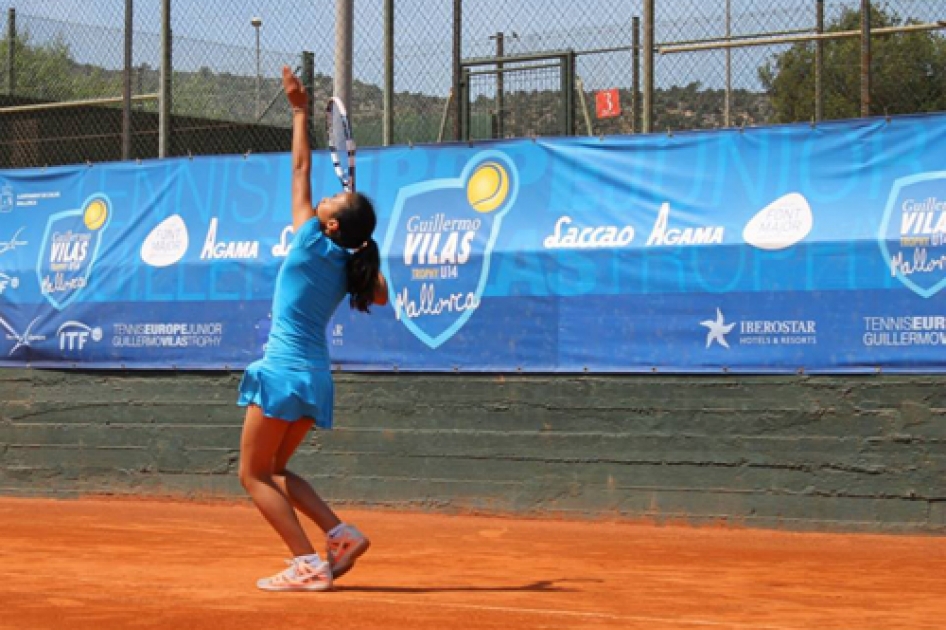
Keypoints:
pixel 312 558
pixel 335 531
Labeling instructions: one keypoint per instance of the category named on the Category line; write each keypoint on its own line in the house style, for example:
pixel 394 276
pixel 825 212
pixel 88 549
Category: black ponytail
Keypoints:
pixel 363 268
pixel 357 220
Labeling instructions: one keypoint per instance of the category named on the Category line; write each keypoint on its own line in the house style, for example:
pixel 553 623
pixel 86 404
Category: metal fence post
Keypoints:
pixel 126 88
pixel 164 99
pixel 819 61
pixel 647 115
pixel 727 97
pixel 307 78
pixel 447 106
pixel 568 89
pixel 457 69
pixel 865 58
pixel 257 22
pixel 583 103
pixel 344 10
pixel 635 73
pixel 387 125
pixel 464 103
pixel 500 85
pixel 11 51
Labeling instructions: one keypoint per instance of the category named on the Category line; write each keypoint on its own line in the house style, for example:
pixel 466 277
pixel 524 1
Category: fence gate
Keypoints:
pixel 518 96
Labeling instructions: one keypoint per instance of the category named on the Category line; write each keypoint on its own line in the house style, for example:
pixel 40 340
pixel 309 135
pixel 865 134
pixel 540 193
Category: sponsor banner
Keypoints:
pixel 769 250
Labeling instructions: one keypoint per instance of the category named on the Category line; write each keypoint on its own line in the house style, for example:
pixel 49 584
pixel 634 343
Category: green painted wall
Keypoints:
pixel 863 453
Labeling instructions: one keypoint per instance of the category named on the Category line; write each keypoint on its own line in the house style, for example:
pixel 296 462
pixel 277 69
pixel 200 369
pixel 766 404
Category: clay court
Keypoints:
pixel 101 564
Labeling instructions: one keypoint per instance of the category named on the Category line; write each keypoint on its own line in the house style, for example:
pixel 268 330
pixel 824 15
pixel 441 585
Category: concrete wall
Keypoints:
pixel 856 453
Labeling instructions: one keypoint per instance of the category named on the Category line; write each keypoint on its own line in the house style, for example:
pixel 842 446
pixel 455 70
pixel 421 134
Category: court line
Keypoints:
pixel 568 613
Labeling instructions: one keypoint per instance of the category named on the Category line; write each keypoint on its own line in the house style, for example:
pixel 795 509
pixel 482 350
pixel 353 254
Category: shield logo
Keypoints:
pixel 69 248
pixel 912 234
pixel 436 253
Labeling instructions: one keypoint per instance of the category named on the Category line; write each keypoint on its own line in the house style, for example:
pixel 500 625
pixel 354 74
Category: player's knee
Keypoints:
pixel 248 476
pixel 244 477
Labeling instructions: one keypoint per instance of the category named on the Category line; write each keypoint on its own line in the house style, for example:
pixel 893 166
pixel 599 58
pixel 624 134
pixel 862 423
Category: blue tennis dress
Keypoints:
pixel 293 380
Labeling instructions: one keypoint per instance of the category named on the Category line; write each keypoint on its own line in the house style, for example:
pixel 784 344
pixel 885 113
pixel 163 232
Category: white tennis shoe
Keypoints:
pixel 347 545
pixel 309 573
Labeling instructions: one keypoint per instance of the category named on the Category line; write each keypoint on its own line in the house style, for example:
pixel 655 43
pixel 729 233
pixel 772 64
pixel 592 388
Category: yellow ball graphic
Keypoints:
pixel 488 187
pixel 95 215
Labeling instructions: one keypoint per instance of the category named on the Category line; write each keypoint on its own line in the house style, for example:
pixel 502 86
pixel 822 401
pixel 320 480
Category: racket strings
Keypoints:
pixel 341 144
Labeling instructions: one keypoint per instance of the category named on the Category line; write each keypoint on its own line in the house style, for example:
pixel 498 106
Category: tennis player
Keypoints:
pixel 290 389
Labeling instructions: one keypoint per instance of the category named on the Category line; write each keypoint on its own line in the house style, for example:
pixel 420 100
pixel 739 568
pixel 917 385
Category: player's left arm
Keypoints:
pixel 302 209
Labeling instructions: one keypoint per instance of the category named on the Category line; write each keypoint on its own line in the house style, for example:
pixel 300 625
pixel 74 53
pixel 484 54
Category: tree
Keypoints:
pixel 908 72
pixel 47 71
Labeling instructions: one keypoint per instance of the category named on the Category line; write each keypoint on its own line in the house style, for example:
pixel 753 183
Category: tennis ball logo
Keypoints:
pixel 488 187
pixel 95 215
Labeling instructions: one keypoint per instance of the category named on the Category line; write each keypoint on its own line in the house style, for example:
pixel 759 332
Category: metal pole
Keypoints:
pixel 635 72
pixel 117 100
pixel 865 58
pixel 257 22
pixel 387 125
pixel 140 79
pixel 11 51
pixel 164 102
pixel 550 55
pixel 648 110
pixel 446 114
pixel 569 85
pixel 126 88
pixel 727 105
pixel 464 102
pixel 580 87
pixel 716 44
pixel 499 86
pixel 307 77
pixel 344 15
pixel 458 91
pixel 819 62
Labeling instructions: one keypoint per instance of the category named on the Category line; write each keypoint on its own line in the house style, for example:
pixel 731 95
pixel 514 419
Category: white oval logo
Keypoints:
pixel 167 243
pixel 781 224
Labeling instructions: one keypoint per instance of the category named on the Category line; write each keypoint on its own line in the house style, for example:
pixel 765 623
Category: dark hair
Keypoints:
pixel 356 223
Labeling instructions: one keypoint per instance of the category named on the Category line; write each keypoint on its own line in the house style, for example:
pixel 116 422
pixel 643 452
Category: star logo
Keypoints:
pixel 22 340
pixel 718 330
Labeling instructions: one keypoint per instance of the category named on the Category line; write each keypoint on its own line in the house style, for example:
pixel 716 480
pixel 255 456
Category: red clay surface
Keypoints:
pixel 100 564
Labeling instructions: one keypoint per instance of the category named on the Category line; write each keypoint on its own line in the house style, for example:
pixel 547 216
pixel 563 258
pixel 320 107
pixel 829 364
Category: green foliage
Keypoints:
pixel 908 73
pixel 48 72
pixel 694 107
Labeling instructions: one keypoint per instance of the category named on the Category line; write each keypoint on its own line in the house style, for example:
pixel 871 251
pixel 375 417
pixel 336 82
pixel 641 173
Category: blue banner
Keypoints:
pixel 768 250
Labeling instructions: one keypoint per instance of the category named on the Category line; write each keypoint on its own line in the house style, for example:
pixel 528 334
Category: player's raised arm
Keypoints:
pixel 302 209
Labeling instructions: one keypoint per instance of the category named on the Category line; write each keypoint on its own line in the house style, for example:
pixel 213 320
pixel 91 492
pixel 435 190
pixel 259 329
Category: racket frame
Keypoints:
pixel 334 105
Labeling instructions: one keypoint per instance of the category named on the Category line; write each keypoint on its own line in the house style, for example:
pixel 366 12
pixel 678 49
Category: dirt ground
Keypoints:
pixel 102 564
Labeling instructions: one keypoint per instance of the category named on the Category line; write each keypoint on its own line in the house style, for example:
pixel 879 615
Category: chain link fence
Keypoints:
pixel 461 70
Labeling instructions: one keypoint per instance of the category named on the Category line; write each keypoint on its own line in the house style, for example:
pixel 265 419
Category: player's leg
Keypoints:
pixel 303 496
pixel 344 542
pixel 259 444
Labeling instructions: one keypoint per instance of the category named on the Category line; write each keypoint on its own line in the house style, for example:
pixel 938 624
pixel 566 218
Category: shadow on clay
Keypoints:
pixel 542 586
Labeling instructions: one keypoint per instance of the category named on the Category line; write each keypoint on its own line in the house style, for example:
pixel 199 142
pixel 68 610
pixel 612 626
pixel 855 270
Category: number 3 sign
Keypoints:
pixel 608 103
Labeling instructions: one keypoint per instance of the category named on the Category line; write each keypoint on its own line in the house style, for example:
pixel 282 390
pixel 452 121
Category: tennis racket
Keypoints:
pixel 340 141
